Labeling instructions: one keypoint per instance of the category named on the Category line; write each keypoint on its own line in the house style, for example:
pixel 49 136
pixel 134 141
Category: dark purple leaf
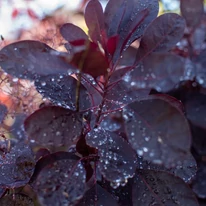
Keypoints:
pixel 17 166
pixel 72 33
pixel 186 169
pixel 117 159
pixel 62 91
pixel 3 112
pixel 29 59
pixel 157 130
pixel 160 71
pixel 97 196
pixel 62 183
pixel 94 18
pixel 2 192
pixel 16 200
pixel 162 34
pixel 41 153
pixel 91 61
pixel 160 189
pixel 199 184
pixel 192 11
pixel 54 126
pixel 128 19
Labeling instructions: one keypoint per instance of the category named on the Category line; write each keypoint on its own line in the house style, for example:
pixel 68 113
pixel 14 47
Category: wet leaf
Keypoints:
pixel 192 11
pixel 29 59
pixel 199 184
pixel 67 186
pixel 159 189
pixel 62 91
pixel 72 33
pixel 53 126
pixel 94 18
pixel 162 34
pixel 128 19
pixel 97 196
pixel 3 112
pixel 17 166
pixel 148 128
pixel 16 200
pixel 160 71
pixel 186 169
pixel 117 159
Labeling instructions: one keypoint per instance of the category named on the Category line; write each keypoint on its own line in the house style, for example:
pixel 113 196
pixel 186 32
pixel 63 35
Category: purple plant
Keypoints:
pixel 114 133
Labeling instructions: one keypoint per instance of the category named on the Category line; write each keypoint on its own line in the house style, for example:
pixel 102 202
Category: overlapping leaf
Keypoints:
pixel 16 167
pixel 157 130
pixel 160 188
pixel 61 89
pixel 29 59
pixel 54 126
pixel 117 159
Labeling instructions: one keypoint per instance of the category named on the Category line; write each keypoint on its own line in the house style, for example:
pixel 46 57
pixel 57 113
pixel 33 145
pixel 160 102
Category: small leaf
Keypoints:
pixel 94 18
pixel 199 184
pixel 160 71
pixel 149 131
pixel 162 34
pixel 97 196
pixel 117 159
pixel 192 11
pixel 62 183
pixel 29 59
pixel 160 188
pixel 53 126
pixel 17 166
pixel 61 89
pixel 72 33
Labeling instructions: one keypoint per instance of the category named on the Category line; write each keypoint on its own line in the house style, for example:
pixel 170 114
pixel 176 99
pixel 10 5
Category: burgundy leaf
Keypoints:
pixel 117 159
pixel 148 127
pixel 128 19
pixel 160 71
pixel 91 61
pixel 17 166
pixel 199 184
pixel 160 189
pixel 28 59
pixel 162 34
pixel 186 169
pixel 3 112
pixel 97 196
pixel 192 11
pixel 94 18
pixel 54 126
pixel 62 91
pixel 72 33
pixel 62 183
pixel 20 199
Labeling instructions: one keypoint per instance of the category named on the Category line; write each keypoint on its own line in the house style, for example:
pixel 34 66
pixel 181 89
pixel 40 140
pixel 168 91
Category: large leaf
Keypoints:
pixel 192 11
pixel 162 34
pixel 28 59
pixel 16 167
pixel 160 189
pixel 157 130
pixel 94 18
pixel 117 159
pixel 72 33
pixel 160 71
pixel 62 91
pixel 97 196
pixel 61 182
pixel 54 126
pixel 128 19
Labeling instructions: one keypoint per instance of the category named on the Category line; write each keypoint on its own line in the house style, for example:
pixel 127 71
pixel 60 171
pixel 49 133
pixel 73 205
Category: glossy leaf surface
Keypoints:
pixel 53 126
pixel 117 159
pixel 150 134
pixel 160 188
